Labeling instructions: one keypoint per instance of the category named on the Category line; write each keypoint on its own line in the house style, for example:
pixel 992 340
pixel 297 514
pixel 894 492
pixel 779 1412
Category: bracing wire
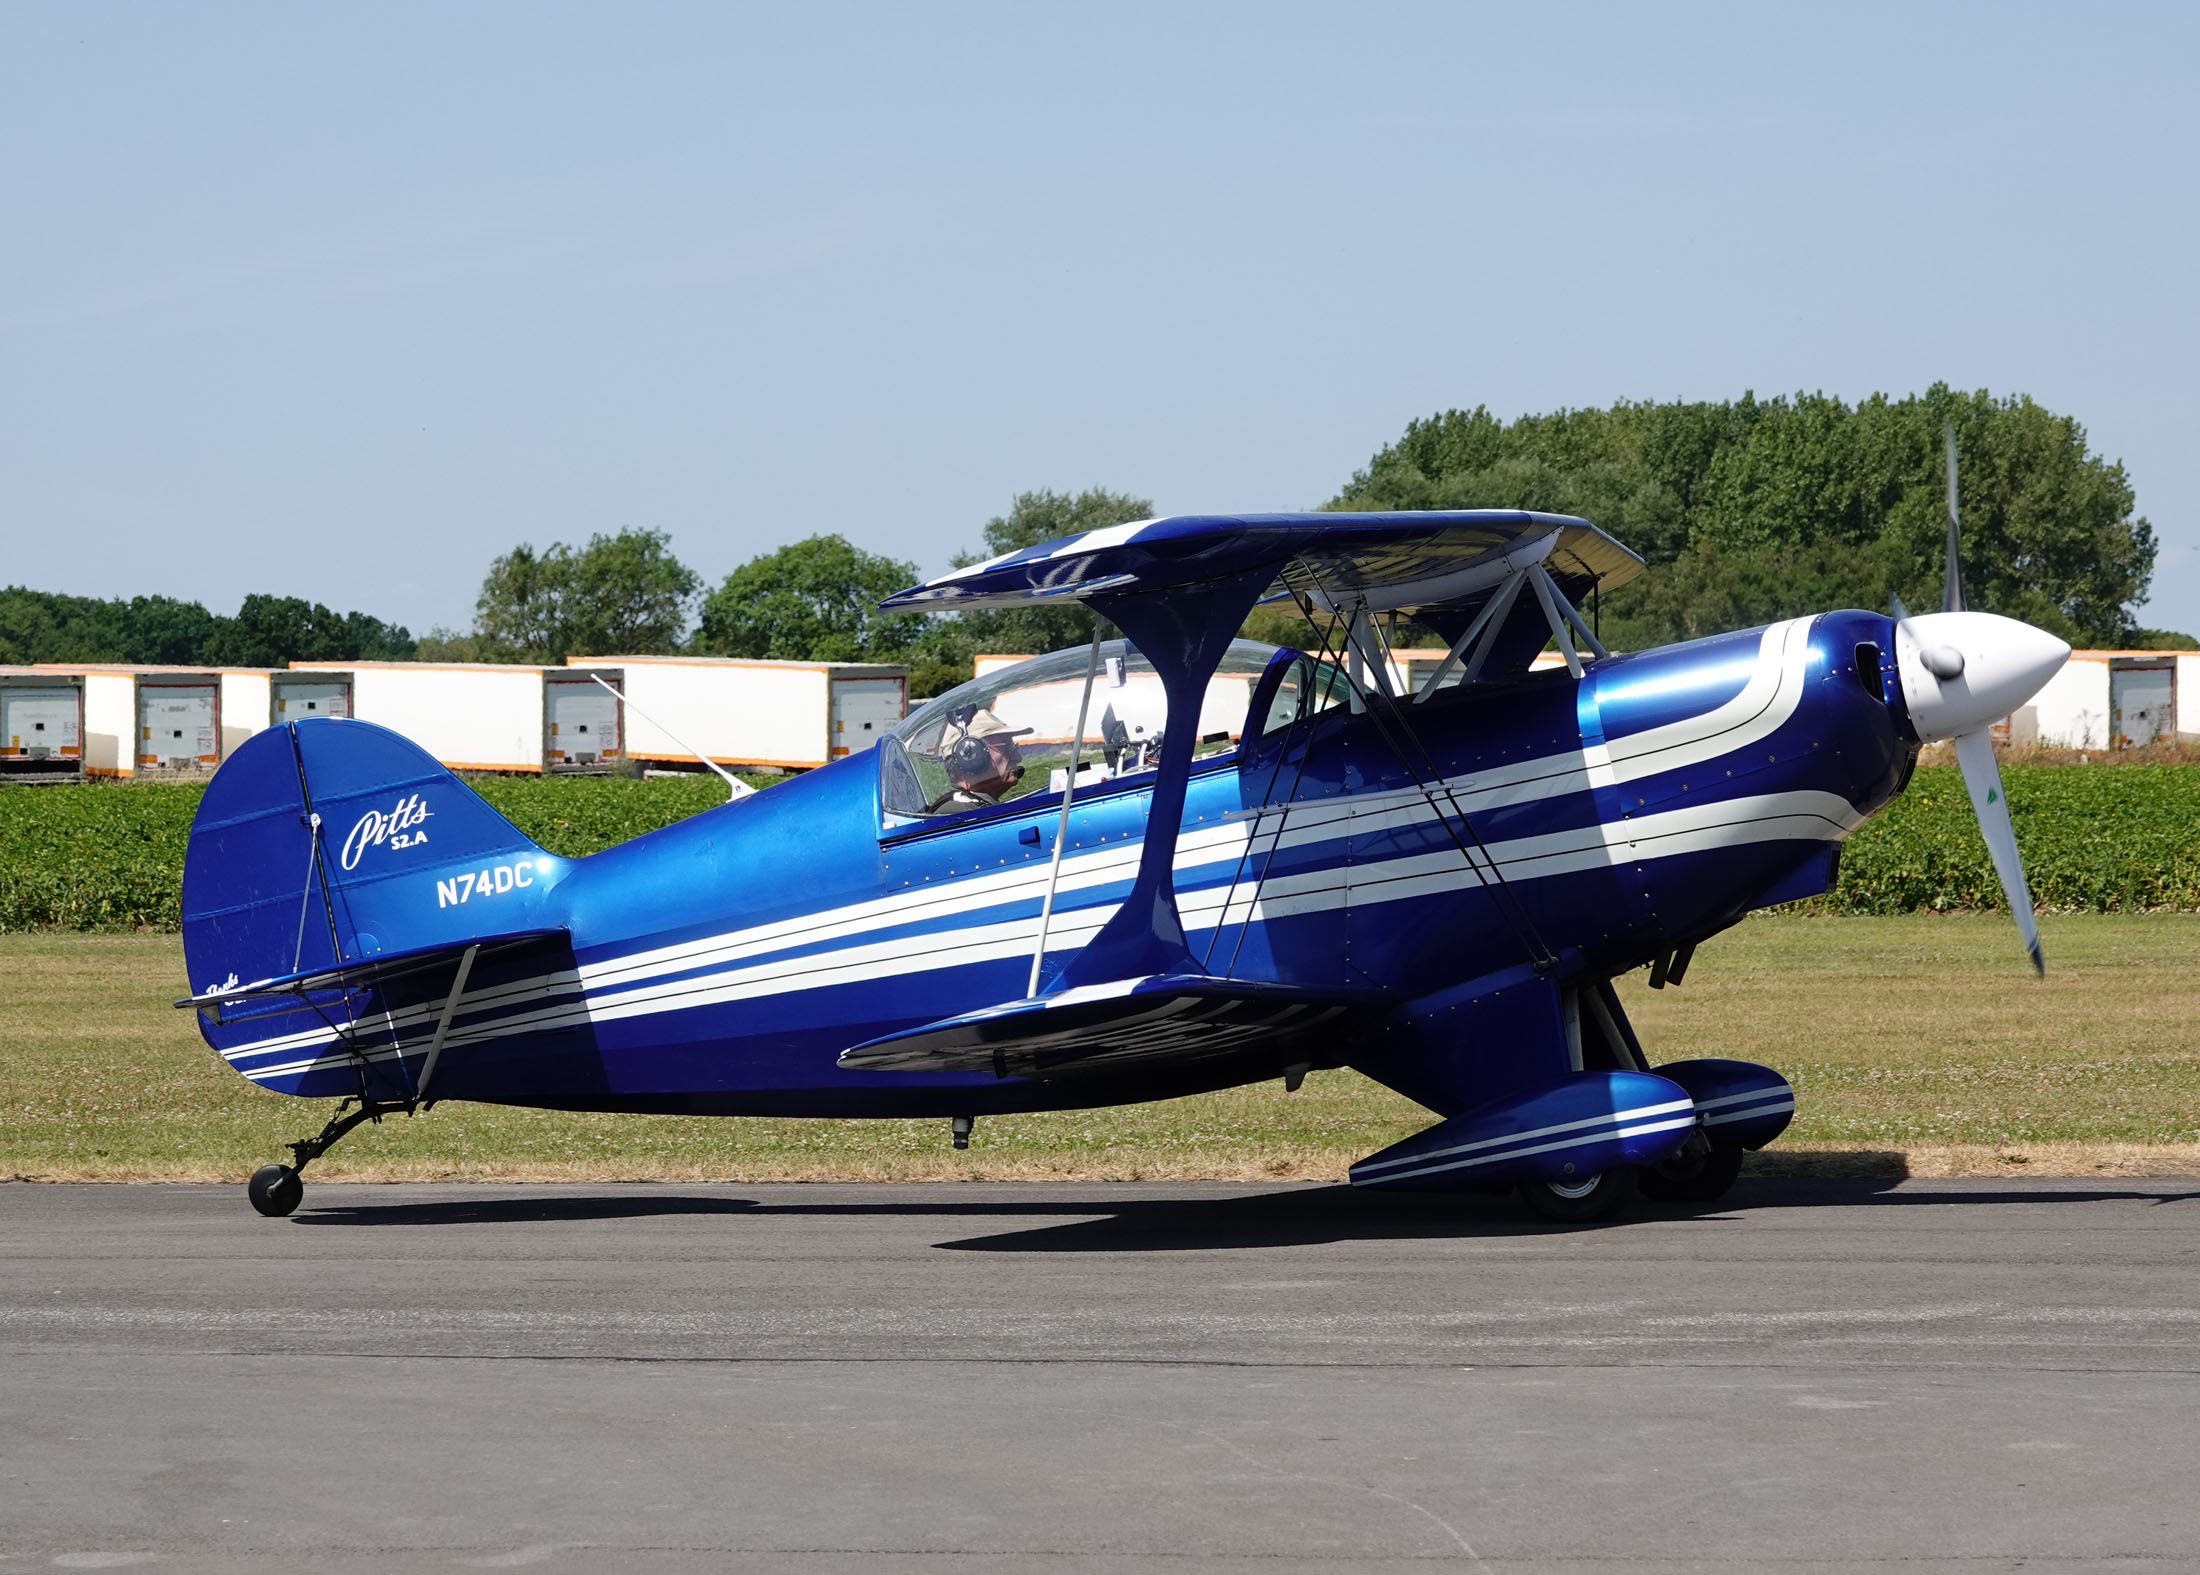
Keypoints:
pixel 1275 842
pixel 1508 900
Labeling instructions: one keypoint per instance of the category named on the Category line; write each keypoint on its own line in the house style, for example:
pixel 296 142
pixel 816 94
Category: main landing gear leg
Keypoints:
pixel 276 1189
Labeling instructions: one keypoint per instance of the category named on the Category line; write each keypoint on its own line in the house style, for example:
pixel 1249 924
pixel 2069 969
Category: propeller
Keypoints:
pixel 1960 672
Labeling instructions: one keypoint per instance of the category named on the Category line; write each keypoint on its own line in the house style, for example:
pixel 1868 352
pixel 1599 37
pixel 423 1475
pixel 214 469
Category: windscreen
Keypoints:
pixel 1010 733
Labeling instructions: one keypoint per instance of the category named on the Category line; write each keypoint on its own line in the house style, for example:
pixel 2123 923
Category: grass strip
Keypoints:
pixel 1917 1044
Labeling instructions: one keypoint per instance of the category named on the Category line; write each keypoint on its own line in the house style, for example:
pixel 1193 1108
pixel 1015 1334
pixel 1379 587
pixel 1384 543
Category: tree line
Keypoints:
pixel 1744 510
pixel 160 631
pixel 814 600
pixel 1750 510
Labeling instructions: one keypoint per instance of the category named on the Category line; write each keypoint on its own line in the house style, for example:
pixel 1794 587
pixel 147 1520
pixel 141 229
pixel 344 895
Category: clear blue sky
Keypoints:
pixel 342 301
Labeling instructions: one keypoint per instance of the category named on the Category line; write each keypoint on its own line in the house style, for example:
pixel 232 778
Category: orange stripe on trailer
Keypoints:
pixel 733 760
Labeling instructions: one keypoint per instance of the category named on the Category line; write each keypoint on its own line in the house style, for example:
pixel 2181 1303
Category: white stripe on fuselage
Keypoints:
pixel 1692 829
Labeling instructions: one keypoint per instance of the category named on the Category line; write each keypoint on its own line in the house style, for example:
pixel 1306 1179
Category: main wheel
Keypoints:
pixel 1580 1201
pixel 275 1190
pixel 1701 1177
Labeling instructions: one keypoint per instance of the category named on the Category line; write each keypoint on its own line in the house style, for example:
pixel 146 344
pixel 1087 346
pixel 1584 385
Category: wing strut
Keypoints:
pixel 1559 613
pixel 1184 633
pixel 1282 807
pixel 1061 826
pixel 1559 631
pixel 1486 624
pixel 443 1023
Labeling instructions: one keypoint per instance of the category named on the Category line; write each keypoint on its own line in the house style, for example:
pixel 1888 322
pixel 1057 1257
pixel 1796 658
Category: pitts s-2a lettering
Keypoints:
pixel 1168 862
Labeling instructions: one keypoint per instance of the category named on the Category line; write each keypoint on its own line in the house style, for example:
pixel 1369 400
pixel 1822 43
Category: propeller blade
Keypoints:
pixel 1975 754
pixel 1952 597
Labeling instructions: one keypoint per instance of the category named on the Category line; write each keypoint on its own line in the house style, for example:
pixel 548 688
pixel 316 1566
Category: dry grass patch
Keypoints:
pixel 1980 1159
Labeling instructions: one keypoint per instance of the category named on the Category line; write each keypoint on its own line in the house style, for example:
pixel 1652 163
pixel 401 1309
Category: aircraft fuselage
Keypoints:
pixel 720 966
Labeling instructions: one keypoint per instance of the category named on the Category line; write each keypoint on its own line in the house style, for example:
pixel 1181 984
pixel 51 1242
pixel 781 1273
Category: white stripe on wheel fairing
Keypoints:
pixel 1778 1091
pixel 1751 1113
pixel 1579 1140
pixel 1610 1118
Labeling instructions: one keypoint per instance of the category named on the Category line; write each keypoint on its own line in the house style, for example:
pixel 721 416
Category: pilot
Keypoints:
pixel 983 762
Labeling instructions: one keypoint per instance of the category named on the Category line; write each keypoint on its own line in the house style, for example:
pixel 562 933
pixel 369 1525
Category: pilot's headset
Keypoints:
pixel 984 757
pixel 968 761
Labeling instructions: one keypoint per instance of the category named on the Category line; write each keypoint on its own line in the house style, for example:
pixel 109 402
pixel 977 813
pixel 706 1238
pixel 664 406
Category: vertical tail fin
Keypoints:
pixel 324 841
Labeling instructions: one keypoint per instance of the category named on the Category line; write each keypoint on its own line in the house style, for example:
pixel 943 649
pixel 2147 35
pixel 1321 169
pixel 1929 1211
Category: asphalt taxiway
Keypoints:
pixel 1816 1375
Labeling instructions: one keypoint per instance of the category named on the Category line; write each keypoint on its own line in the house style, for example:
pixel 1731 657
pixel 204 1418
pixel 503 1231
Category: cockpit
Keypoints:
pixel 1012 733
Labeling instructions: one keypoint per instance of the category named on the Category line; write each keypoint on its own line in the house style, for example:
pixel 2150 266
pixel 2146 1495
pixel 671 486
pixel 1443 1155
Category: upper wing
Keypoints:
pixel 1395 562
pixel 1165 1018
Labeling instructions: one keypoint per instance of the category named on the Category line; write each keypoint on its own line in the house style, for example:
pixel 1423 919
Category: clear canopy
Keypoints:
pixel 1010 732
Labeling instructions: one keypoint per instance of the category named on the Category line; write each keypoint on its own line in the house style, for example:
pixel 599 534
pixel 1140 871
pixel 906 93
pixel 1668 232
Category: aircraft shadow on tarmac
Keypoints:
pixel 625 1204
pixel 1330 1214
pixel 1112 1218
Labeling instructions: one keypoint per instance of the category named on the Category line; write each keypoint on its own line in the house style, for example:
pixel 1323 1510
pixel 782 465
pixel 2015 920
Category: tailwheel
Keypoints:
pixel 1580 1200
pixel 275 1190
pixel 1700 1173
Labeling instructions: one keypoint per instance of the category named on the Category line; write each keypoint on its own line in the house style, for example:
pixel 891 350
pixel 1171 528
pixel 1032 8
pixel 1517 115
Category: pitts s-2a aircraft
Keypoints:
pixel 1170 862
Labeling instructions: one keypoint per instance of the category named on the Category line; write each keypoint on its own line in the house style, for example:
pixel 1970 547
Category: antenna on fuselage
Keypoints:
pixel 736 789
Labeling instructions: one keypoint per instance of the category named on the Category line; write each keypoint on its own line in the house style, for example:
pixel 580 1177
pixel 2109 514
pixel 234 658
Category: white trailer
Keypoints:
pixel 41 725
pixel 148 720
pixel 786 716
pixel 472 716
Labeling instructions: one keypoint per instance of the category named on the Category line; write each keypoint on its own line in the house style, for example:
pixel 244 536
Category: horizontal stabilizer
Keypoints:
pixel 1163 1018
pixel 381 968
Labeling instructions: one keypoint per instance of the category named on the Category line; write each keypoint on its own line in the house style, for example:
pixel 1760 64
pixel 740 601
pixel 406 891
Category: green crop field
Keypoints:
pixel 1920 1043
pixel 108 856
pixel 2103 838
pixel 2097 839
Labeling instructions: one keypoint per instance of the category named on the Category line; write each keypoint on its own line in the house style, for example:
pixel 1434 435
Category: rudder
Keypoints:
pixel 323 841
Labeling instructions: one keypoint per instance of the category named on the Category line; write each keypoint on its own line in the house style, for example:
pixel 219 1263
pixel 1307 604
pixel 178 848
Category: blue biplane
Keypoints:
pixel 1168 862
